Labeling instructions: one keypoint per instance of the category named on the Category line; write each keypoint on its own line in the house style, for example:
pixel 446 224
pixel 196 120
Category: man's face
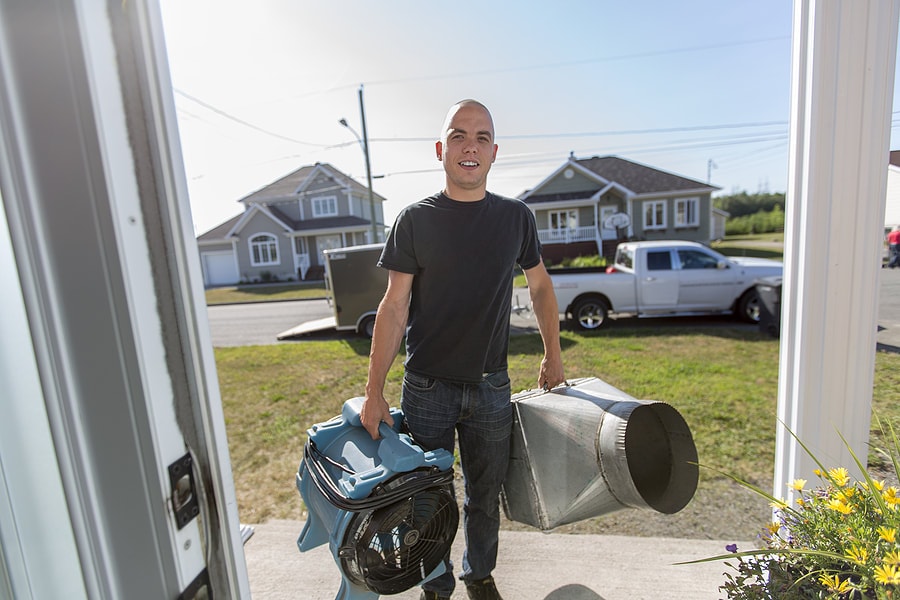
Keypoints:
pixel 467 150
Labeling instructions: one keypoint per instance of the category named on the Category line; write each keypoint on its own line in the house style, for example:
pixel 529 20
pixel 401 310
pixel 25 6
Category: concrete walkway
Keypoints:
pixel 532 566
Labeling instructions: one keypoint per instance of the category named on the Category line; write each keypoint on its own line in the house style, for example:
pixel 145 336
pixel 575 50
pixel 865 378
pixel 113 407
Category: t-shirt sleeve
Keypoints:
pixel 399 253
pixel 530 252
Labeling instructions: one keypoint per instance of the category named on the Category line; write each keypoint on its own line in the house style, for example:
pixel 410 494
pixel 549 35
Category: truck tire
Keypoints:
pixel 367 326
pixel 589 313
pixel 748 306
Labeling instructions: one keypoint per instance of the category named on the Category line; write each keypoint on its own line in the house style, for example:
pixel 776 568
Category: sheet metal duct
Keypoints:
pixel 588 449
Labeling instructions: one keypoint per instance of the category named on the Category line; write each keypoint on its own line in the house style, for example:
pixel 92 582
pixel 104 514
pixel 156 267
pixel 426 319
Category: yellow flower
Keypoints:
pixel 778 504
pixel 892 558
pixel 857 554
pixel 840 505
pixel 878 485
pixel 834 584
pixel 887 574
pixel 801 502
pixel 773 527
pixel 798 484
pixel 839 476
pixel 890 496
pixel 888 534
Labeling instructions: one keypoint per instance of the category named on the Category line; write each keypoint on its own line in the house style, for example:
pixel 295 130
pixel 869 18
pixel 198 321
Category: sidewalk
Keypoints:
pixel 532 566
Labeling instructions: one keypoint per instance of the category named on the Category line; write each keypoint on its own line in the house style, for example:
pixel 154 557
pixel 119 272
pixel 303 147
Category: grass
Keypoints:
pixel 760 245
pixel 265 292
pixel 723 382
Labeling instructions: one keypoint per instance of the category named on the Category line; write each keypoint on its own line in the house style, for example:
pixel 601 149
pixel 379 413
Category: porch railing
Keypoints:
pixel 568 235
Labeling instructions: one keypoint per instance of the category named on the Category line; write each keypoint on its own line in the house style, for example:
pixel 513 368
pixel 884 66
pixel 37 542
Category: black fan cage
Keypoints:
pixel 389 550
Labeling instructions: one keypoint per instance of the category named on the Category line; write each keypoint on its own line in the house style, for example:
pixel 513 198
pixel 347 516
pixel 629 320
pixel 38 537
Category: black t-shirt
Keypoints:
pixel 462 255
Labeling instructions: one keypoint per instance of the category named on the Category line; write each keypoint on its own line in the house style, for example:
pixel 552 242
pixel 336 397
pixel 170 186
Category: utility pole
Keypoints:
pixel 362 116
pixel 364 142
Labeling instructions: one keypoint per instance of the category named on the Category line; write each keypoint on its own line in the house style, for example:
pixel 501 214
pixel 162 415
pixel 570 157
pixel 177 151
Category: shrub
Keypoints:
pixel 760 222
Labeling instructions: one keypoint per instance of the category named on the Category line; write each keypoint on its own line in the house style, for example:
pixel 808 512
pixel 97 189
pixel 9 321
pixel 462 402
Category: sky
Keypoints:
pixel 699 88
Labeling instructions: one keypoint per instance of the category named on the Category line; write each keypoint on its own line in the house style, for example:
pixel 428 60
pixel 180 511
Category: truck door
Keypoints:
pixel 702 284
pixel 657 282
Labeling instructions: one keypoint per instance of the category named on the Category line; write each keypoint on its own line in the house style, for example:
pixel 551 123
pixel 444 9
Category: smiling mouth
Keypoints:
pixel 468 163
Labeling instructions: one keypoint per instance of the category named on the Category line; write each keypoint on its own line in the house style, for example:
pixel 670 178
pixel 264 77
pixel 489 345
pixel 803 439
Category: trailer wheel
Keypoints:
pixel 367 326
pixel 589 313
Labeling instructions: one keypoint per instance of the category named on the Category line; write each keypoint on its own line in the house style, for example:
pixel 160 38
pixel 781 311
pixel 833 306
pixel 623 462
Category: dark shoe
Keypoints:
pixel 483 589
pixel 429 595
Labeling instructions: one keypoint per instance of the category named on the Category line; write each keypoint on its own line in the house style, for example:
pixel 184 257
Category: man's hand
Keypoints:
pixel 551 374
pixel 375 410
pixel 543 299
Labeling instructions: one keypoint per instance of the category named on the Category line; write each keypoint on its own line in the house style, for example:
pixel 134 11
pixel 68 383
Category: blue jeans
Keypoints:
pixel 481 414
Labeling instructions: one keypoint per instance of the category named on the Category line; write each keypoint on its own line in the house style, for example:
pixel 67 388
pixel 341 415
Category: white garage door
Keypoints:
pixel 219 268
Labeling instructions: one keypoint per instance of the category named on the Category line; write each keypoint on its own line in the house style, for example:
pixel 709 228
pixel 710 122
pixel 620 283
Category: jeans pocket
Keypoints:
pixel 418 382
pixel 498 381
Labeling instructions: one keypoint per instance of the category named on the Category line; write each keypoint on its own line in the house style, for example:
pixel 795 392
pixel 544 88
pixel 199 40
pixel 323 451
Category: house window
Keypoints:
pixel 324 206
pixel 655 214
pixel 687 212
pixel 562 220
pixel 263 250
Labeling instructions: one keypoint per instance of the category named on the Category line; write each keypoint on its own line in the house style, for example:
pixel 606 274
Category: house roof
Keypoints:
pixel 634 178
pixel 219 232
pixel 639 178
pixel 320 223
pixel 289 185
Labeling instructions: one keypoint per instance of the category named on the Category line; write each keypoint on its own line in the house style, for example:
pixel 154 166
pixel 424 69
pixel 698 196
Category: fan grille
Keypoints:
pixel 391 549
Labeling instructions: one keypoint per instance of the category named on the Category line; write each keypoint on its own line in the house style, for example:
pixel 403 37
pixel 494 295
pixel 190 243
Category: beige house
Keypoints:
pixel 286 226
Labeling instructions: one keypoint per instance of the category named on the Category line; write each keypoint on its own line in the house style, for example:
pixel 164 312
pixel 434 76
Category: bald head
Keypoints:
pixel 453 110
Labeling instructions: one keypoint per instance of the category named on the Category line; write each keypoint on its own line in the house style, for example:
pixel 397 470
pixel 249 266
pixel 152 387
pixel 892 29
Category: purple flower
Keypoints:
pixel 731 548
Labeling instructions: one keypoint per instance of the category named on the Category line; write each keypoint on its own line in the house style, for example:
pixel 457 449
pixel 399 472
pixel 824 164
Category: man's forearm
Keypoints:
pixel 546 312
pixel 390 323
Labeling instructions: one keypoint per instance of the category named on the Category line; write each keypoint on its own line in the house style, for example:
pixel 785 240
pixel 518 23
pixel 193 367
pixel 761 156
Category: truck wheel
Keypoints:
pixel 589 313
pixel 367 326
pixel 748 306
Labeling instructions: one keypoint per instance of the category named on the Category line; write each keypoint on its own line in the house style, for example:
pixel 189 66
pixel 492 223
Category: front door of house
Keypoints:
pixel 327 242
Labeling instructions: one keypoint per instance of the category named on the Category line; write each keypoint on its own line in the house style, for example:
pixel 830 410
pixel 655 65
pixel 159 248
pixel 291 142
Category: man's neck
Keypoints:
pixel 463 195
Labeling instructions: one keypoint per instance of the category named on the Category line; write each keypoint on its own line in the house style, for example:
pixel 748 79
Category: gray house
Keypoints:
pixel 287 225
pixel 589 205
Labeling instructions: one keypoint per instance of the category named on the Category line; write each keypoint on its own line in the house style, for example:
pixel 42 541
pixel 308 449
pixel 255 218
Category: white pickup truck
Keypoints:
pixel 662 278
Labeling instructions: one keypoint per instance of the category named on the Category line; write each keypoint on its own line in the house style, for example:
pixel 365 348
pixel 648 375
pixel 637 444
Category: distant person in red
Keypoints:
pixel 893 239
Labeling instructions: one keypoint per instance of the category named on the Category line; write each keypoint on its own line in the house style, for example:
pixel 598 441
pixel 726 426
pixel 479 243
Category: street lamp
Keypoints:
pixel 364 142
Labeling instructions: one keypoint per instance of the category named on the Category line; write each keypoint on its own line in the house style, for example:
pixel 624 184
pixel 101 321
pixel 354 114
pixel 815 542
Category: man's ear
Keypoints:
pixel 439 150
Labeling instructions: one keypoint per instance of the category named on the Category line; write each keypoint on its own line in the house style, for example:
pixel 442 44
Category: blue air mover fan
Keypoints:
pixel 385 507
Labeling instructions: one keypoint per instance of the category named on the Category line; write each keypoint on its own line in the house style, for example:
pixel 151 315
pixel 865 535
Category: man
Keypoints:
pixel 893 239
pixel 450 259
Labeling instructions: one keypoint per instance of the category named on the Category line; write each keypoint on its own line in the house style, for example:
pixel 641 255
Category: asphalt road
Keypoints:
pixel 260 323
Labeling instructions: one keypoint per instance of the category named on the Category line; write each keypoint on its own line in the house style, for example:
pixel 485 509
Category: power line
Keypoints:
pixel 571 63
pixel 231 117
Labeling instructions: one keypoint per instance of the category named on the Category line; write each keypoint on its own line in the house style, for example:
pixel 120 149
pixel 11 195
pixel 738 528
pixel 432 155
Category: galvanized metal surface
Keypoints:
pixel 587 449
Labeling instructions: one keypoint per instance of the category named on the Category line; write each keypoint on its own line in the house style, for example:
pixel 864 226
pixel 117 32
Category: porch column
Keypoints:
pixel 842 91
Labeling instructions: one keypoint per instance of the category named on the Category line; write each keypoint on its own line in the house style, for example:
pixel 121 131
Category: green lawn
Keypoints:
pixel 265 292
pixel 723 381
